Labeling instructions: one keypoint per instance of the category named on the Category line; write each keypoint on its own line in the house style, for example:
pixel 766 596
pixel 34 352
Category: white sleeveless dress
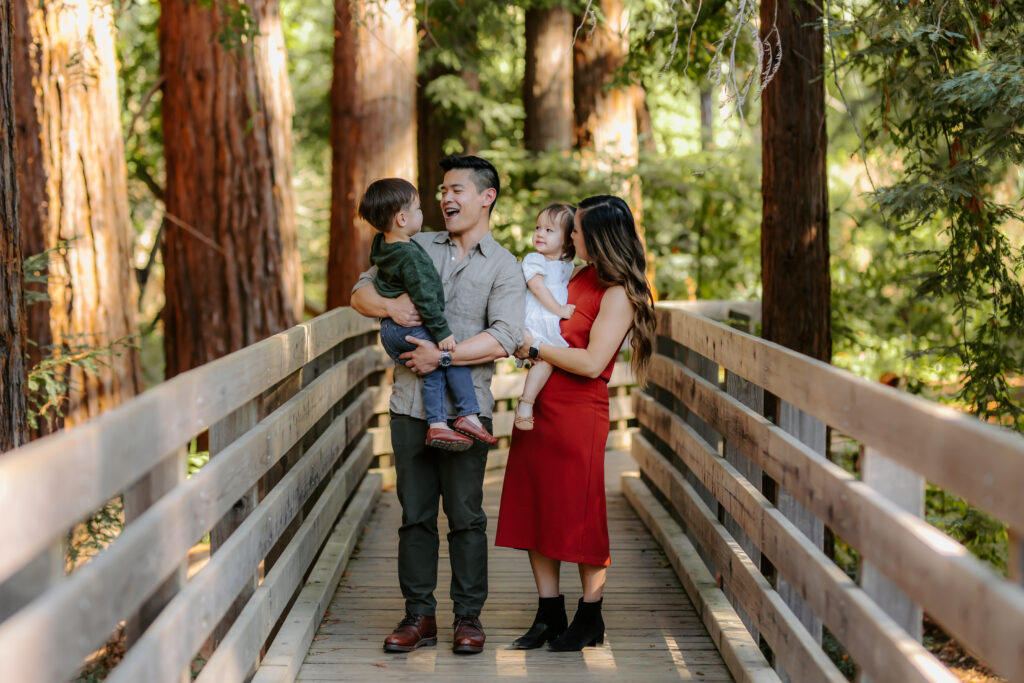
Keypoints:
pixel 542 323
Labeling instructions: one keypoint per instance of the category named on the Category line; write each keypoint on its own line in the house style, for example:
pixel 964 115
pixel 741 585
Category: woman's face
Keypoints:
pixel 577 238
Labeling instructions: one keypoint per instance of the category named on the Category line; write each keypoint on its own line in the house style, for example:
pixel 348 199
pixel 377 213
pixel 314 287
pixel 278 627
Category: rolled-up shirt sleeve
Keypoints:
pixel 506 305
pixel 366 278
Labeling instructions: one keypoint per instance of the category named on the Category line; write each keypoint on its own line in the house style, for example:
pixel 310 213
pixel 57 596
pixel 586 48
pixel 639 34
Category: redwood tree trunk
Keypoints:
pixel 12 309
pixel 606 116
pixel 794 229
pixel 373 124
pixel 433 129
pixel 229 249
pixel 72 166
pixel 547 85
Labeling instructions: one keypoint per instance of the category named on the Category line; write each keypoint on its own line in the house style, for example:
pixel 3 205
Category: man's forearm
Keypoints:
pixel 368 302
pixel 480 348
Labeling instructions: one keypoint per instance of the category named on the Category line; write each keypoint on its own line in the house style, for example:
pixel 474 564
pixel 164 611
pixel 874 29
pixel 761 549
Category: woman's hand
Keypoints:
pixel 424 358
pixel 523 352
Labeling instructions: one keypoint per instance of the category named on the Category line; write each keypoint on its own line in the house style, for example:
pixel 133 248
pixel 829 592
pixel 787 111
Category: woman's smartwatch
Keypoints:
pixel 535 351
pixel 446 359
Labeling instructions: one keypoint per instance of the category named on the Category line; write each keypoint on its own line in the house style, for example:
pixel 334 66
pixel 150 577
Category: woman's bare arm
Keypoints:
pixel 610 327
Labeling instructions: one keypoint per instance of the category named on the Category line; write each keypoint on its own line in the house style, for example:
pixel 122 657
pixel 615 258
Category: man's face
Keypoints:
pixel 462 204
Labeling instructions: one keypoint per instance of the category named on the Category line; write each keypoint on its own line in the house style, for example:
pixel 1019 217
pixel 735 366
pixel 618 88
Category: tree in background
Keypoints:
pixel 950 98
pixel 12 308
pixel 547 84
pixel 229 248
pixel 605 110
pixel 373 124
pixel 794 186
pixel 72 168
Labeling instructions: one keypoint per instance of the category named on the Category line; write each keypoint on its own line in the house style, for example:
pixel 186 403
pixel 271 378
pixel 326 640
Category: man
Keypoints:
pixel 484 303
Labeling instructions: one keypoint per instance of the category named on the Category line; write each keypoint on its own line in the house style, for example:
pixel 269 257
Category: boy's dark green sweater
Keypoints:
pixel 405 268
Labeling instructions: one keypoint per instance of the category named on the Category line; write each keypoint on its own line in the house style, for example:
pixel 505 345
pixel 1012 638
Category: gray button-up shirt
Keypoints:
pixel 484 292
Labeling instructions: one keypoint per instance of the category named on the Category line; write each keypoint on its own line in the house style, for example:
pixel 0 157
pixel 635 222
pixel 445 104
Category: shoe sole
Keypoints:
pixel 449 445
pixel 468 649
pixel 426 642
pixel 473 436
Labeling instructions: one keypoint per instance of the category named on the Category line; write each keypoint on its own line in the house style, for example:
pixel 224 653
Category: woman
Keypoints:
pixel 553 500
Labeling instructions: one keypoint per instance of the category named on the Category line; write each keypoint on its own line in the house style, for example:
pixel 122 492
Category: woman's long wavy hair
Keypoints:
pixel 615 249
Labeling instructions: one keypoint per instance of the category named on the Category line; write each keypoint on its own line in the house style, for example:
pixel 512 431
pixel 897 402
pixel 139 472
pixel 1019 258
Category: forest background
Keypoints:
pixel 923 107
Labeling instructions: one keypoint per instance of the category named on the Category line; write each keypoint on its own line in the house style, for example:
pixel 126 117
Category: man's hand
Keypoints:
pixel 403 311
pixel 566 311
pixel 447 344
pixel 424 358
pixel 523 352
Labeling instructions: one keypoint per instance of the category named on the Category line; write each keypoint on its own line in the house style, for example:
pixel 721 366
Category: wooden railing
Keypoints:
pixel 286 420
pixel 744 502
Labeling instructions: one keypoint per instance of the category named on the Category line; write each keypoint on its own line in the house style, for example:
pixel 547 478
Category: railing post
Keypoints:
pixel 138 498
pixel 811 432
pixel 905 488
pixel 222 434
pixel 752 396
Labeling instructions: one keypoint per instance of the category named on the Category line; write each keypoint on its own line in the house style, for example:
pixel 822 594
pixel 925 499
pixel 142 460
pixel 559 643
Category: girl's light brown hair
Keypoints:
pixel 609 232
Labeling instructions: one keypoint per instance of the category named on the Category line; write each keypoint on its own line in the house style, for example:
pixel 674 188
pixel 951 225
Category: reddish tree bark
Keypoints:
pixel 794 229
pixel 12 309
pixel 547 85
pixel 373 124
pixel 229 249
pixel 72 166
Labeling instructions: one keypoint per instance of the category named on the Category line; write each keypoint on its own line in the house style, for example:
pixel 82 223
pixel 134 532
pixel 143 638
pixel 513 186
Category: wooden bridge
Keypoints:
pixel 717 525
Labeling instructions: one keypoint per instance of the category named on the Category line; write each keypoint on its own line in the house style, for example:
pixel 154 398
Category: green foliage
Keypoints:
pixel 951 80
pixel 985 537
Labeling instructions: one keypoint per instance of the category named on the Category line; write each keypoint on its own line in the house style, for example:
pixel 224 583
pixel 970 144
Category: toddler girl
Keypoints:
pixel 547 272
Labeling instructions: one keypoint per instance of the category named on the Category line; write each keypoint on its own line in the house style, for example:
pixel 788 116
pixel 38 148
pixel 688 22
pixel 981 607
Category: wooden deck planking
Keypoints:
pixel 652 633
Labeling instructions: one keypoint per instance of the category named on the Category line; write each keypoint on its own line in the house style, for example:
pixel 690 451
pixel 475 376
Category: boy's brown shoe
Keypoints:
pixel 412 632
pixel 479 432
pixel 447 439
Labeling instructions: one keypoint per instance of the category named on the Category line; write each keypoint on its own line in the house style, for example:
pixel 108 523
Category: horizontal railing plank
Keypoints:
pixel 168 645
pixel 291 644
pixel 68 622
pixel 985 612
pixel 929 438
pixel 799 653
pixel 739 651
pixel 873 638
pixel 40 502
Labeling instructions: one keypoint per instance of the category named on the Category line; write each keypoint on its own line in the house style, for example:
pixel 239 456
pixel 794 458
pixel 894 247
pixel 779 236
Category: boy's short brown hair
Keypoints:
pixel 383 199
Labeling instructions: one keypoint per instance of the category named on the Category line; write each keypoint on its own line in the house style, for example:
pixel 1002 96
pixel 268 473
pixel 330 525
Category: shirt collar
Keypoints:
pixel 487 245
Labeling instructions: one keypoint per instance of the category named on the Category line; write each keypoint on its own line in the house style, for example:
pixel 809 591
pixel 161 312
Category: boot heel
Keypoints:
pixel 597 641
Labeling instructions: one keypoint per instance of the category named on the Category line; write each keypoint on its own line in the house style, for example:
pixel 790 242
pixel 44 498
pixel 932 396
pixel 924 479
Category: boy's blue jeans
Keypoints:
pixel 458 378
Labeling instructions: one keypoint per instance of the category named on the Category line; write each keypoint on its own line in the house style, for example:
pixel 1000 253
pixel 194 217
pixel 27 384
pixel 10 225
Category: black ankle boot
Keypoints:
pixel 548 624
pixel 587 628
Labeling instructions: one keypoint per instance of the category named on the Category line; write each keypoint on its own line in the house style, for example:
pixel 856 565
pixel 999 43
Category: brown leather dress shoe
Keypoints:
pixel 479 432
pixel 412 632
pixel 447 439
pixel 469 636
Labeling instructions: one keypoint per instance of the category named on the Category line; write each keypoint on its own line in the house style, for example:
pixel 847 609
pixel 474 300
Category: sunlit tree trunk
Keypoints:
pixel 12 309
pixel 606 115
pixel 794 229
pixel 229 250
pixel 72 166
pixel 547 85
pixel 373 124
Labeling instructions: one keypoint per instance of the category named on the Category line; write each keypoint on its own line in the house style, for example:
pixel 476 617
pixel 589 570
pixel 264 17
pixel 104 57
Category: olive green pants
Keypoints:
pixel 427 476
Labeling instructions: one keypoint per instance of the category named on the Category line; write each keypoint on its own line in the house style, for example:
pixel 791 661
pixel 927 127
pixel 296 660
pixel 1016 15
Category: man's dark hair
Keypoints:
pixel 484 173
pixel 383 199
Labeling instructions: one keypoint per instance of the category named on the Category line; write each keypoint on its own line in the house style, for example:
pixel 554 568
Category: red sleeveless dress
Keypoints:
pixel 553 498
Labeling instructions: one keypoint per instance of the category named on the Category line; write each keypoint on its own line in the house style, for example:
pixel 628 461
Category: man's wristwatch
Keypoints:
pixel 535 351
pixel 446 359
